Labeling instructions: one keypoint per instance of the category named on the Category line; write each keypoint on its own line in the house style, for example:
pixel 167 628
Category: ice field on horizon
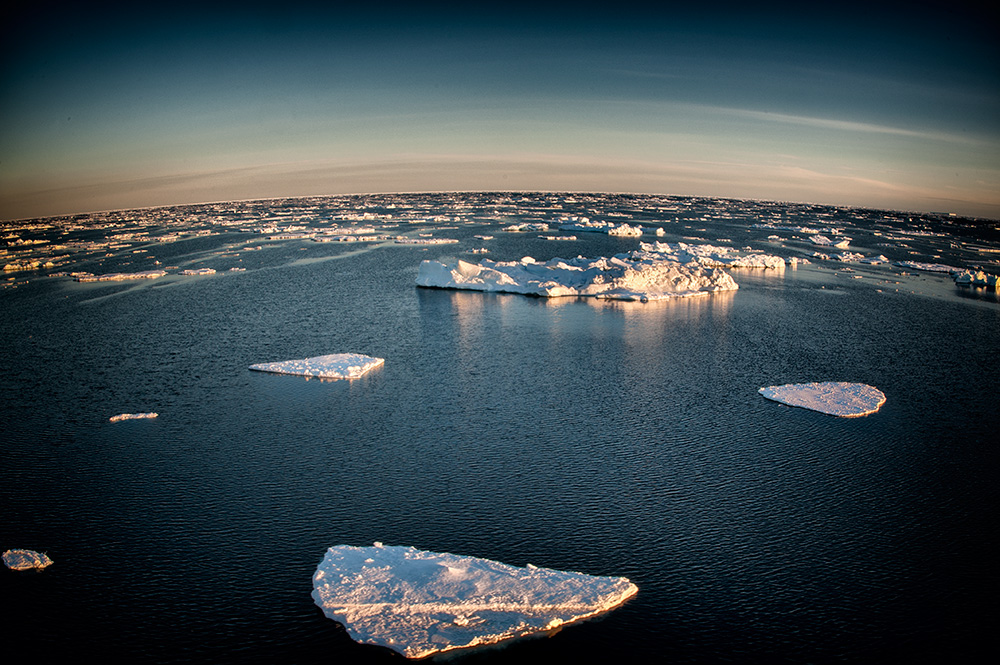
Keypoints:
pixel 419 603
pixel 836 398
pixel 332 366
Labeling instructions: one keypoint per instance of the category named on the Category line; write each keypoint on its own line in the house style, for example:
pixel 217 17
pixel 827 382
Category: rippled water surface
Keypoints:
pixel 605 437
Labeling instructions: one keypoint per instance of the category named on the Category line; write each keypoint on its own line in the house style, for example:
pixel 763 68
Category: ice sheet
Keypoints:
pixel 419 603
pixel 332 366
pixel 847 400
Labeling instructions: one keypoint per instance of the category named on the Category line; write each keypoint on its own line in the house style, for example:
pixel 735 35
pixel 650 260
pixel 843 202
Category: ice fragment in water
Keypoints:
pixel 25 560
pixel 419 603
pixel 333 366
pixel 132 416
pixel 848 400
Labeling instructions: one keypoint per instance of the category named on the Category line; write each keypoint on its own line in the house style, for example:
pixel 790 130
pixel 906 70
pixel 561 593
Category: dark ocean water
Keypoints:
pixel 604 437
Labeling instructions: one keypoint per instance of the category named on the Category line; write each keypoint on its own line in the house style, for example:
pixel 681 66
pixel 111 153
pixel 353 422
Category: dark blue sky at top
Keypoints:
pixel 124 73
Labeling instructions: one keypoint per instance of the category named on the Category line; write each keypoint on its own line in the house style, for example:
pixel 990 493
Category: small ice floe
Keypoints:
pixel 847 400
pixel 526 227
pixel 198 271
pixel 420 603
pixel 26 560
pixel 583 224
pixel 132 416
pixel 118 276
pixel 928 267
pixel 839 243
pixel 403 240
pixel 332 366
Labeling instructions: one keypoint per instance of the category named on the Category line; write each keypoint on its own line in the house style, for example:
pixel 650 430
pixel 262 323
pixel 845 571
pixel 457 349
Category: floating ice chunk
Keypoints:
pixel 633 277
pixel 527 226
pixel 198 271
pixel 403 240
pixel 25 560
pixel 132 416
pixel 929 267
pixel 119 276
pixel 839 243
pixel 976 278
pixel 419 603
pixel 848 400
pixel 710 255
pixel 610 228
pixel 332 366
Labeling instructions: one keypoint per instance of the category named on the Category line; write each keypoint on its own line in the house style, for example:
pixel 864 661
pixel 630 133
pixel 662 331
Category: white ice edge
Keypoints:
pixel 332 366
pixel 419 603
pixel 836 398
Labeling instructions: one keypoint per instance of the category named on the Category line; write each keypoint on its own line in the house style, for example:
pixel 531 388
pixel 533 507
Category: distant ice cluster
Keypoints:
pixel 419 603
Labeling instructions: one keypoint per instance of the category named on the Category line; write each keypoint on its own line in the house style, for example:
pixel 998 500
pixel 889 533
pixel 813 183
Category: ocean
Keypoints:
pixel 606 437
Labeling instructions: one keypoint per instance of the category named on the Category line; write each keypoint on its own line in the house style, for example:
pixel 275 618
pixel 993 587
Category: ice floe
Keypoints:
pixel 132 416
pixel 198 271
pixel 928 267
pixel 119 276
pixel 976 278
pixel 711 255
pixel 332 366
pixel 847 400
pixel 633 276
pixel 610 228
pixel 25 560
pixel 419 603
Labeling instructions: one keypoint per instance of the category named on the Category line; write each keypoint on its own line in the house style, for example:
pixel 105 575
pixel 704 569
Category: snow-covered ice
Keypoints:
pixel 848 400
pixel 198 271
pixel 25 560
pixel 419 603
pixel 634 276
pixel 711 255
pixel 610 228
pixel 332 366
pixel 132 416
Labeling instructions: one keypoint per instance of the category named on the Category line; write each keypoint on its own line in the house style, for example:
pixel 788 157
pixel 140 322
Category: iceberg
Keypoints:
pixel 419 603
pixel 624 277
pixel 25 560
pixel 847 400
pixel 332 366
pixel 132 416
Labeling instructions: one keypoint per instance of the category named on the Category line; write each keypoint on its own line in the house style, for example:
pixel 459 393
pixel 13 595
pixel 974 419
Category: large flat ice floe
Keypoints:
pixel 332 366
pixel 419 603
pixel 847 400
pixel 634 276
pixel 712 255
pixel 26 560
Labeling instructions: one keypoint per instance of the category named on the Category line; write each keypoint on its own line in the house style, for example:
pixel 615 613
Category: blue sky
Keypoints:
pixel 109 110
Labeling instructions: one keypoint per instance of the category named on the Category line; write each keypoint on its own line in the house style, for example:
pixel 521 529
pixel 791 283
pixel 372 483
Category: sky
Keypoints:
pixel 841 105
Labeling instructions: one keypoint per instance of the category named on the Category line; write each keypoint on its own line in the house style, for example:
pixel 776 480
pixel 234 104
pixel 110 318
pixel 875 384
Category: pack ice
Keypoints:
pixel 848 400
pixel 419 603
pixel 332 366
pixel 634 276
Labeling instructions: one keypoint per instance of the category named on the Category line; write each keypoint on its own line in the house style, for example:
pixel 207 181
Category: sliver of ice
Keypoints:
pixel 332 366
